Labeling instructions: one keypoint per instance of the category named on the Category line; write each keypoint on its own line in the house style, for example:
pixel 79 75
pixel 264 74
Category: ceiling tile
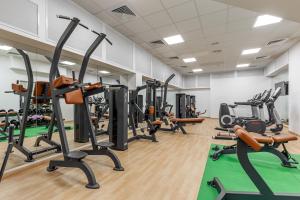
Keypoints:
pixel 149 36
pixel 89 6
pixel 235 13
pixel 158 19
pixel 167 31
pixel 146 7
pixel 193 35
pixel 214 31
pixel 103 16
pixel 183 11
pixel 124 30
pixel 214 19
pixel 172 3
pixel 137 26
pixel 209 6
pixel 240 25
pixel 188 25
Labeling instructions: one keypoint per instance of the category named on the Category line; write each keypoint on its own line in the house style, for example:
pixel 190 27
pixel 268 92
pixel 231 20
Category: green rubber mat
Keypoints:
pixel 33 131
pixel 233 177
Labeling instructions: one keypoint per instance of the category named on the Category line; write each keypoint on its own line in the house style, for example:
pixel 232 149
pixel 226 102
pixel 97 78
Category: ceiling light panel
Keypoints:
pixel 5 48
pixel 175 39
pixel 197 70
pixel 104 72
pixel 189 60
pixel 264 20
pixel 250 51
pixel 243 65
pixel 67 63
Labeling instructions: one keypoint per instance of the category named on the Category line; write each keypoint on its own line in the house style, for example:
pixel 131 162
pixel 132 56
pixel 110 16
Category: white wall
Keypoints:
pixel 294 88
pixel 41 15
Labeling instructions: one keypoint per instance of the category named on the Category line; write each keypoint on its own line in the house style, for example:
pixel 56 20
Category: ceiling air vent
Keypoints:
pixel 174 58
pixel 183 66
pixel 157 43
pixel 13 53
pixel 262 57
pixel 277 42
pixel 124 10
pixel 217 51
pixel 215 43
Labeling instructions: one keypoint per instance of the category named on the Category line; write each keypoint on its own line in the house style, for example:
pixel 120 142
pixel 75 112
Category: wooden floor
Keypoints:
pixel 170 169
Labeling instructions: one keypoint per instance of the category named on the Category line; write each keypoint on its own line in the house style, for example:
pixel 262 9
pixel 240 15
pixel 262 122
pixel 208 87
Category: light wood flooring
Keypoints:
pixel 168 170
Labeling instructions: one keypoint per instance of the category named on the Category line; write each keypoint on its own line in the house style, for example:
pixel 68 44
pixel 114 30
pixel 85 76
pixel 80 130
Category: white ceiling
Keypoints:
pixel 201 23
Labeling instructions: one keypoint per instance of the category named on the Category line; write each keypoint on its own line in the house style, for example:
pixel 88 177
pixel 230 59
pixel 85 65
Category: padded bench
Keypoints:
pixel 179 122
pixel 273 139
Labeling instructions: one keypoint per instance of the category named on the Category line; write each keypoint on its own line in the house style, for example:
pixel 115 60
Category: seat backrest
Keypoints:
pixel 247 138
pixel 74 97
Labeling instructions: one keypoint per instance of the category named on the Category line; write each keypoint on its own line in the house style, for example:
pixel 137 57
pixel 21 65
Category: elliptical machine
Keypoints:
pixel 255 124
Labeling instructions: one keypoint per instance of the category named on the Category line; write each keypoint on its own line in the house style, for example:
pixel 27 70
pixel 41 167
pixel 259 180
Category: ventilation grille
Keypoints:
pixel 174 58
pixel 217 51
pixel 13 53
pixel 277 42
pixel 124 10
pixel 183 66
pixel 158 42
pixel 262 57
pixel 215 43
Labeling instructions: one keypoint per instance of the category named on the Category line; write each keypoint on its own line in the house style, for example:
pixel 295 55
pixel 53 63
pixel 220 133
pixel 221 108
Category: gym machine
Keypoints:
pixel 244 142
pixel 149 115
pixel 118 117
pixel 26 94
pixel 9 148
pixel 181 105
pixel 188 106
pixel 257 123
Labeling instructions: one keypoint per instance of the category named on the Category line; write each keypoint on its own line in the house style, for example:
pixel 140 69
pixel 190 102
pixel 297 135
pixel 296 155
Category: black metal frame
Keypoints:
pixel 265 192
pixel 284 156
pixel 19 141
pixel 72 159
pixel 8 150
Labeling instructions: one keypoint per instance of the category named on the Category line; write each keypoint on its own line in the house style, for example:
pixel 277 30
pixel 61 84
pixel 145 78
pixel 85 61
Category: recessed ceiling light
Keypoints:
pixel 251 51
pixel 264 20
pixel 175 39
pixel 67 63
pixel 5 48
pixel 243 65
pixel 189 60
pixel 197 70
pixel 104 72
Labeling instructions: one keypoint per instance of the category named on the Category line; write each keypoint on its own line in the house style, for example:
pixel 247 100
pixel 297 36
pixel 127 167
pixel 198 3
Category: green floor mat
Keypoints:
pixel 33 131
pixel 233 177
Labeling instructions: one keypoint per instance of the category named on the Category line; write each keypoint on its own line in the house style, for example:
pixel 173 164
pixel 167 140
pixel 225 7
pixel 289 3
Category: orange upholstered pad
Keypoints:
pixel 248 139
pixel 157 122
pixel 187 120
pixel 93 86
pixel 284 138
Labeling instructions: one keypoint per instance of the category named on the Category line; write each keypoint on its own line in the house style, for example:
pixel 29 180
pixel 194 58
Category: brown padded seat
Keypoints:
pixel 63 81
pixel 18 88
pixel 2 124
pixel 187 120
pixel 248 139
pixel 284 138
pixel 264 140
pixel 157 122
pixel 12 113
pixel 47 118
pixel 93 86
